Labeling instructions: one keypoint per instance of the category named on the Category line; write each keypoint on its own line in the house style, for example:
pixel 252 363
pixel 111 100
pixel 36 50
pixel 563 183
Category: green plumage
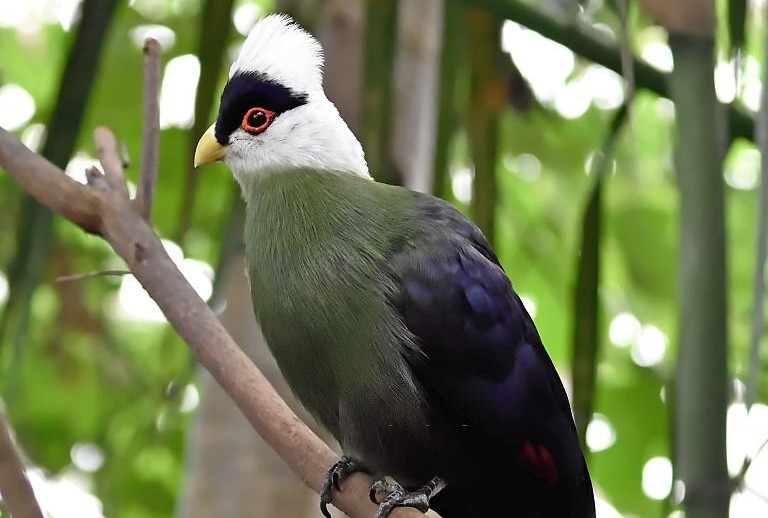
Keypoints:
pixel 317 244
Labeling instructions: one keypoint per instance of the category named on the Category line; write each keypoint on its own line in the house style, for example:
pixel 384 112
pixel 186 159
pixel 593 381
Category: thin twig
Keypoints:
pixel 91 275
pixel 756 492
pixel 760 449
pixel 739 479
pixel 106 149
pixel 132 238
pixel 15 488
pixel 150 131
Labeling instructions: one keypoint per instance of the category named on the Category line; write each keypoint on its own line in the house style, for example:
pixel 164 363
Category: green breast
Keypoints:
pixel 316 244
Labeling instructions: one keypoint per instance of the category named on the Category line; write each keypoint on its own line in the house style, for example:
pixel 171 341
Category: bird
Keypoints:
pixel 386 309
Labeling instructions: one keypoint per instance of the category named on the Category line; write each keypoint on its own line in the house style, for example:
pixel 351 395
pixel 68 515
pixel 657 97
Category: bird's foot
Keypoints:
pixel 399 497
pixel 344 467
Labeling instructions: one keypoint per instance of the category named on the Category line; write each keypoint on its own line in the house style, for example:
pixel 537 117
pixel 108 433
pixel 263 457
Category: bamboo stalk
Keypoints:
pixel 701 386
pixel 414 101
pixel 487 100
pixel 453 42
pixel 215 28
pixel 381 31
pixel 737 21
pixel 758 287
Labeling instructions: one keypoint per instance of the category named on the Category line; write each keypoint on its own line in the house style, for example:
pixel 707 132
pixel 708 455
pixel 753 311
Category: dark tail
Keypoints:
pixel 517 500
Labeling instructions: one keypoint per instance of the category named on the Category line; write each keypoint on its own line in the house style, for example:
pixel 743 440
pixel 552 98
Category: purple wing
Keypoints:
pixel 484 367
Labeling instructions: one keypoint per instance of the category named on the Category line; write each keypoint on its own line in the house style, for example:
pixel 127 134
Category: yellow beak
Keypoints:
pixel 208 148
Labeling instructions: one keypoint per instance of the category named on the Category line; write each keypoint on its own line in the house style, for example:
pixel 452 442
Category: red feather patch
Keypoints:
pixel 539 460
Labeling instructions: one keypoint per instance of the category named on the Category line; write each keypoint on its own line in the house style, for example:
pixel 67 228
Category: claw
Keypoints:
pixel 382 486
pixel 399 497
pixel 344 467
pixel 324 506
pixel 335 479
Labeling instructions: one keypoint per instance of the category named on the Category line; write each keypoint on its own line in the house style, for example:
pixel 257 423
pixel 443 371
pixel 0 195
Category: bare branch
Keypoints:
pixel 150 131
pixel 133 239
pixel 91 275
pixel 15 488
pixel 106 148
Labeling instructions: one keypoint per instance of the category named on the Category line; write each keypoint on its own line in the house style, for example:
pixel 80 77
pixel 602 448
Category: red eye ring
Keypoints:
pixel 257 119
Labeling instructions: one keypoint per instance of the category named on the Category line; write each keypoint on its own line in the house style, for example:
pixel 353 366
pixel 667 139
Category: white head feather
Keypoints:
pixel 312 135
pixel 280 49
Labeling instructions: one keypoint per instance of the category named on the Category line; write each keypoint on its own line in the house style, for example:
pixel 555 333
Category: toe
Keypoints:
pixel 399 497
pixel 344 467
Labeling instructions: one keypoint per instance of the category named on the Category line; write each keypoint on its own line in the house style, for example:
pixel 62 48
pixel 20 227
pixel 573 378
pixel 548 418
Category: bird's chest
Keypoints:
pixel 340 347
pixel 303 300
pixel 321 316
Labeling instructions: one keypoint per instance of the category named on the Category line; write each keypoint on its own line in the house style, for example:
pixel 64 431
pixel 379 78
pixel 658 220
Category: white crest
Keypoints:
pixel 278 48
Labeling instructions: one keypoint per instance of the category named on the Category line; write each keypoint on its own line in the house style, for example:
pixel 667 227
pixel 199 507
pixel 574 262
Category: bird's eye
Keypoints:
pixel 256 120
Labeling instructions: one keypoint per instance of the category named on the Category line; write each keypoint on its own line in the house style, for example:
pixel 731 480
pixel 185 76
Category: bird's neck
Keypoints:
pixel 299 197
pixel 300 211
pixel 320 213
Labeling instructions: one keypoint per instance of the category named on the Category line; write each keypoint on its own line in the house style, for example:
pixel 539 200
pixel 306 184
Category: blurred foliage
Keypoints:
pixel 87 374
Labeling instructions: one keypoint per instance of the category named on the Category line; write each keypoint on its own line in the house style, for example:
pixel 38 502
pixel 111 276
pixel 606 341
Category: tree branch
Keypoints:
pixel 37 176
pixel 90 275
pixel 106 210
pixel 15 488
pixel 150 130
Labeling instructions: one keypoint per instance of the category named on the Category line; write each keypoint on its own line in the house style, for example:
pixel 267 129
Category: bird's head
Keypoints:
pixel 274 115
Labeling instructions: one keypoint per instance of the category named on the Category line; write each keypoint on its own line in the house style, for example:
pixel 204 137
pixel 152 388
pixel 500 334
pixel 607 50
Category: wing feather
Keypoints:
pixel 483 363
